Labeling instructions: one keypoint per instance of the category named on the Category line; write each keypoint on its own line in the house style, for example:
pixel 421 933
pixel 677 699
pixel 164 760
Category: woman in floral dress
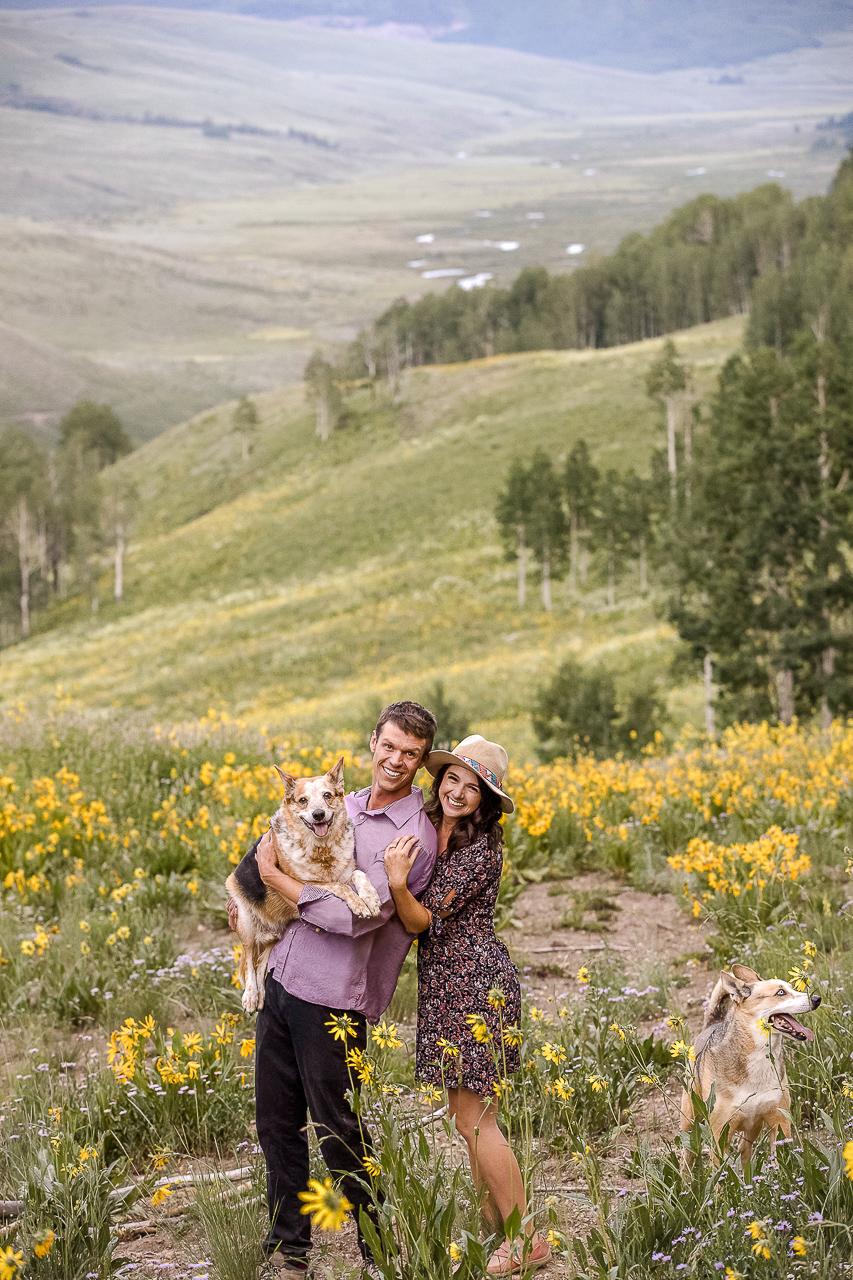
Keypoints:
pixel 468 990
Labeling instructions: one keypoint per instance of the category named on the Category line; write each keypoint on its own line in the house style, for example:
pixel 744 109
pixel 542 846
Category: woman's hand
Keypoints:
pixel 265 853
pixel 399 860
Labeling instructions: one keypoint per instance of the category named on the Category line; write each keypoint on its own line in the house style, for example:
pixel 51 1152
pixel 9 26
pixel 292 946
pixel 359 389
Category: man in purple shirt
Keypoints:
pixel 328 963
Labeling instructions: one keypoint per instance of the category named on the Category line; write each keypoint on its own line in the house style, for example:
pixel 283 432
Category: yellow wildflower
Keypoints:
pixel 123 932
pixel 799 1246
pixel 385 1035
pixel 11 1263
pixel 161 1194
pixel 479 1028
pixel 583 974
pixel 327 1207
pixel 85 926
pixel 454 1251
pixel 29 949
pixel 513 1036
pixel 43 1242
pixel 447 1049
pixel 372 1165
pixel 598 1082
pixel 340 1026
pixel 496 998
pixel 553 1052
pixel 247 1048
pixel 848 1160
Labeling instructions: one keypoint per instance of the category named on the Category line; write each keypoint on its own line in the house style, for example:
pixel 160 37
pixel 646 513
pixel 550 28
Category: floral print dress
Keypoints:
pixel 460 960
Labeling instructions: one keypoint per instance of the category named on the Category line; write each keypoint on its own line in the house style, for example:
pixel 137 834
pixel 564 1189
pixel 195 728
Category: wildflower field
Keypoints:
pixel 127 1058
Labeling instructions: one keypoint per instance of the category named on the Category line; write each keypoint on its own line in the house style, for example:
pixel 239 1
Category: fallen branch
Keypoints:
pixel 544 951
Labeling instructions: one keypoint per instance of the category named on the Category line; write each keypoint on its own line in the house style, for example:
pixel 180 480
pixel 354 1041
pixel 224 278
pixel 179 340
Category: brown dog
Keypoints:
pixel 314 842
pixel 741 1050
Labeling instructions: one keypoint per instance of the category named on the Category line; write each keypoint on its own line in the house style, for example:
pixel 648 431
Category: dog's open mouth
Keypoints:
pixel 785 1023
pixel 320 829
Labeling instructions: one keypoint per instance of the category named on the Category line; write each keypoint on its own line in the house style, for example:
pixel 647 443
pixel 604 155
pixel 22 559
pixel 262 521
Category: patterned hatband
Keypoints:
pixel 480 768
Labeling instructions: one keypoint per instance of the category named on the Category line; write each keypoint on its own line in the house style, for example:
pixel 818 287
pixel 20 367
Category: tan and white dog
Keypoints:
pixel 314 842
pixel 740 1049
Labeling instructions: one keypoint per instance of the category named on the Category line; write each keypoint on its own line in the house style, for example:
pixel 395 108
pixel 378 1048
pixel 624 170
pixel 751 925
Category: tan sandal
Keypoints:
pixel 511 1261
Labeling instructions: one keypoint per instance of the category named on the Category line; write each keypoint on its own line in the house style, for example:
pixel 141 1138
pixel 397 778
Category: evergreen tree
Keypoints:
pixel 245 422
pixel 574 712
pixel 547 521
pixel 451 721
pixel 97 431
pixel 513 512
pixel 580 484
pixel 611 524
pixel 763 578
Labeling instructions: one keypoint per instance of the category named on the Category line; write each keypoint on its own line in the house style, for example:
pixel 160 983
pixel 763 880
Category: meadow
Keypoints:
pixel 311 580
pixel 128 1060
pixel 192 203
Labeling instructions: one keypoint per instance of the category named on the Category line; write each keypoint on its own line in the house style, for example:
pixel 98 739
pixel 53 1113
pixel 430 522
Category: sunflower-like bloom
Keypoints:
pixel 327 1207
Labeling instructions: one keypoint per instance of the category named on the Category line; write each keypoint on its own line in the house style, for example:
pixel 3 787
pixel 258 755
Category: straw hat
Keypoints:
pixel 487 759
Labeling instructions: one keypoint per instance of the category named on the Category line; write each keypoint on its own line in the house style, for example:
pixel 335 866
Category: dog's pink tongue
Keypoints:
pixel 784 1020
pixel 321 828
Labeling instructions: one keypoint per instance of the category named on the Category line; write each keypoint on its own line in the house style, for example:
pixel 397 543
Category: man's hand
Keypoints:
pixel 399 860
pixel 232 915
pixel 265 854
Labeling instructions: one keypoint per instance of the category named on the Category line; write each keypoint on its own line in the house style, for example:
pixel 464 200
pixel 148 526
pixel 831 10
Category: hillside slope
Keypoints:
pixel 303 585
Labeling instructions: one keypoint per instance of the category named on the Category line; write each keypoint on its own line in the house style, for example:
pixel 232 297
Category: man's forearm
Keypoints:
pixel 285 885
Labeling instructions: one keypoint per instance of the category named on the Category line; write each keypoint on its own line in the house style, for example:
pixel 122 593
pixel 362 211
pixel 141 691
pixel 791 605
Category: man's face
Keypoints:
pixel 397 756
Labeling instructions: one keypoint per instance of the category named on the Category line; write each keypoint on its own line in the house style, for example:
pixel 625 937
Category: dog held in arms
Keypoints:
pixel 740 1049
pixel 314 842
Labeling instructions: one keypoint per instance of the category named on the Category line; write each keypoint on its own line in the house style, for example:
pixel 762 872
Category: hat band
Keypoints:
pixel 479 768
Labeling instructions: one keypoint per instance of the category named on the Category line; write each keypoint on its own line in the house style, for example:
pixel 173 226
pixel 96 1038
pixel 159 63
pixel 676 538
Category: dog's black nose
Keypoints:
pixel 815 1001
pixel 319 815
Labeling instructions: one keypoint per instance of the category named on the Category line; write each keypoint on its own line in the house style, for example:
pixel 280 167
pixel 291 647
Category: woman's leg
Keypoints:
pixel 494 1167
pixel 493 1164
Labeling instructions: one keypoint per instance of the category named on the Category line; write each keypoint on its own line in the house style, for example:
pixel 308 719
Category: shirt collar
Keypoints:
pixel 399 812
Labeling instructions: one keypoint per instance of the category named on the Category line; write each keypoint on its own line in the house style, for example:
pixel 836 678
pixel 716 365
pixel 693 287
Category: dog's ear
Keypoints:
pixel 744 973
pixel 733 986
pixel 336 775
pixel 287 781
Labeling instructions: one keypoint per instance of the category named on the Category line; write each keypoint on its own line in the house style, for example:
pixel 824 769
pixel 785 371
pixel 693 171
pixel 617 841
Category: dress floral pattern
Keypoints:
pixel 460 960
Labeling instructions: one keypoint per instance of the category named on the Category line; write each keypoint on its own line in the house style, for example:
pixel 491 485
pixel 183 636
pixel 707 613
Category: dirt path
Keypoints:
pixel 559 927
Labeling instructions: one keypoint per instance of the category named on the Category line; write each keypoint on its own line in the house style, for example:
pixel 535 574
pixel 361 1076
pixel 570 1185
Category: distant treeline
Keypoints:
pixel 758 254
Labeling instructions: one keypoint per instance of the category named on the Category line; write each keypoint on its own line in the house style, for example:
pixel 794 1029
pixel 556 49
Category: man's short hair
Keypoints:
pixel 412 718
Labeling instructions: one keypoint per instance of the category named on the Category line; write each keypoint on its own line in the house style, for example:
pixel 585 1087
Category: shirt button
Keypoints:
pixel 316 930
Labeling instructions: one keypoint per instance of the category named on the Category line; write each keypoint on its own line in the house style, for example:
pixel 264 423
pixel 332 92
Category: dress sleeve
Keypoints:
pixel 466 875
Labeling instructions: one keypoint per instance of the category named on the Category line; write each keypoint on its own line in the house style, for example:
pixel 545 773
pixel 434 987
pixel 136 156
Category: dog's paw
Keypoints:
pixel 367 894
pixel 250 1001
pixel 360 908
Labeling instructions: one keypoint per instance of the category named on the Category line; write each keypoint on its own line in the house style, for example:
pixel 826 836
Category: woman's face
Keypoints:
pixel 459 792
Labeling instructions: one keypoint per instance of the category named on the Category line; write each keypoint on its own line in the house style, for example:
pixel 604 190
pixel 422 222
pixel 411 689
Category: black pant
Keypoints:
pixel 300 1067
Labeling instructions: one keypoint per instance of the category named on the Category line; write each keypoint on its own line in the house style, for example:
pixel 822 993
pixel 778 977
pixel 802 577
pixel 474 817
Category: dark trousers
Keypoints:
pixel 300 1067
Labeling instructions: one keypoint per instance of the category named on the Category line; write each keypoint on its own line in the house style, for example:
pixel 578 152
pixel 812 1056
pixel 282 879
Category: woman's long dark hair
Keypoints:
pixel 484 821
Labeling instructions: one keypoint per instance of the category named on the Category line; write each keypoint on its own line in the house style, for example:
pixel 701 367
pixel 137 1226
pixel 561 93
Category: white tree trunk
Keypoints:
pixel 611 570
pixel 24 562
pixel 546 578
pixel 785 695
pixel 644 566
pixel 322 417
pixel 119 573
pixel 522 568
pixel 671 423
pixel 708 675
pixel 573 553
pixel 827 663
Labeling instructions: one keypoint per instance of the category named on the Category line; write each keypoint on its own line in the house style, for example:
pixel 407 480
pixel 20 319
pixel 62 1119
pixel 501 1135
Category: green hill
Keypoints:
pixel 303 585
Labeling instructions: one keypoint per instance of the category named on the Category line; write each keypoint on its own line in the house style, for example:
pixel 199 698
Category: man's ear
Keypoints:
pixel 336 775
pixel 373 740
pixel 287 781
pixel 733 986
pixel 745 974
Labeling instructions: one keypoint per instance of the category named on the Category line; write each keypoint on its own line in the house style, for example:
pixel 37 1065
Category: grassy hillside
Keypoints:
pixel 168 265
pixel 304 585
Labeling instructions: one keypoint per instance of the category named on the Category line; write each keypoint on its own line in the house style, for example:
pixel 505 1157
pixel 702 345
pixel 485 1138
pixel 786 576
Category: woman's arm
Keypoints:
pixel 272 875
pixel 399 859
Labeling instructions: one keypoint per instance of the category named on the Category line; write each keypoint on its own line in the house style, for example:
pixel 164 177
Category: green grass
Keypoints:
pixel 136 262
pixel 303 585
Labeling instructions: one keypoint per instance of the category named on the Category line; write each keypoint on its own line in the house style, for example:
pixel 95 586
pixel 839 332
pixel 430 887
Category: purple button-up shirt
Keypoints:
pixel 330 957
